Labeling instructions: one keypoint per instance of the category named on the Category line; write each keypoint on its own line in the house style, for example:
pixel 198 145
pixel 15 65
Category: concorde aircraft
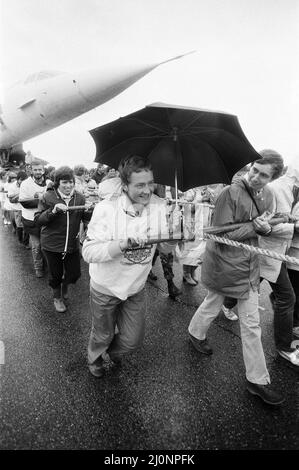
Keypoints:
pixel 47 99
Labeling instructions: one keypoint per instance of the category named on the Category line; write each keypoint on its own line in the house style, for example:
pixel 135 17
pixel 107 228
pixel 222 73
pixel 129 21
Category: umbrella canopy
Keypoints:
pixel 188 147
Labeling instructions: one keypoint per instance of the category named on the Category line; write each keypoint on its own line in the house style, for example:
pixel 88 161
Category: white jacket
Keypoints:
pixel 126 274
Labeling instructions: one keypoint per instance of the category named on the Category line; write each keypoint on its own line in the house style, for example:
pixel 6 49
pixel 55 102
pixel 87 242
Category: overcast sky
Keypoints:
pixel 246 61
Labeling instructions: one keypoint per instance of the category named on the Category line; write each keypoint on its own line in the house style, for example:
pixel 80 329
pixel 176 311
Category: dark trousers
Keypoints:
pixel 282 299
pixel 25 237
pixel 294 278
pixel 167 263
pixel 66 271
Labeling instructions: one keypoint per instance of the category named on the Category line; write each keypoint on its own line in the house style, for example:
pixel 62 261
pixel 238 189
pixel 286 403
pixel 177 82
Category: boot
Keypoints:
pixel 173 291
pixel 187 275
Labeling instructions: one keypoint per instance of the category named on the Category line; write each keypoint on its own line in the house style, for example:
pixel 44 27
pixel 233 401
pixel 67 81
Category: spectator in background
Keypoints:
pixel 110 186
pixel 110 173
pixel 79 172
pixel 91 188
pixel 241 173
pixel 99 173
pixel 49 172
pixel 190 253
pixel 212 192
pixel 59 233
pixel 167 259
pixel 31 191
pixel 13 196
pixel 8 207
pixel 2 193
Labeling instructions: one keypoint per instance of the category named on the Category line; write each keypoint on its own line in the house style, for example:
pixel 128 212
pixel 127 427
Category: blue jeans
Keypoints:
pixel 37 256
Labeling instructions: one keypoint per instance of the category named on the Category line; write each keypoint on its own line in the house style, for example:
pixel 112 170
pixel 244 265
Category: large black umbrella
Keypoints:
pixel 188 147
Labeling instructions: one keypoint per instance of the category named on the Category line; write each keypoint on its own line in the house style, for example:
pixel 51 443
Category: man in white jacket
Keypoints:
pixel 118 273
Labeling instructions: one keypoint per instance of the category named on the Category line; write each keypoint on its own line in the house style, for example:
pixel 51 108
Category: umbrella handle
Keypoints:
pixel 176 185
pixel 175 138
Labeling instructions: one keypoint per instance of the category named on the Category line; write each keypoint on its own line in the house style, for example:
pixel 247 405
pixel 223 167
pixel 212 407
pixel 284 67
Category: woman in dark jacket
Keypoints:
pixel 59 233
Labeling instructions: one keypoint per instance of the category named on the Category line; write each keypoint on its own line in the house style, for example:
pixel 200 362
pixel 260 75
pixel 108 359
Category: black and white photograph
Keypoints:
pixel 149 229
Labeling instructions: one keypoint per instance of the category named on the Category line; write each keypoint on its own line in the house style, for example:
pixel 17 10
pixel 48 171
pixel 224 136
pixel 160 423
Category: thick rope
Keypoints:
pixel 252 249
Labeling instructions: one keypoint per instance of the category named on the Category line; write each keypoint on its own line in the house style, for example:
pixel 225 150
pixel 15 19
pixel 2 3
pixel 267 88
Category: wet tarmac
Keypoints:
pixel 165 396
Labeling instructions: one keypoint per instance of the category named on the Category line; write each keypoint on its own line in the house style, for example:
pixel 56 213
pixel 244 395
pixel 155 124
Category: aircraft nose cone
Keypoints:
pixel 104 85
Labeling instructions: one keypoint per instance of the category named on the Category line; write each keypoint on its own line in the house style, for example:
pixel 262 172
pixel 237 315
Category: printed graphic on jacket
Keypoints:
pixel 139 256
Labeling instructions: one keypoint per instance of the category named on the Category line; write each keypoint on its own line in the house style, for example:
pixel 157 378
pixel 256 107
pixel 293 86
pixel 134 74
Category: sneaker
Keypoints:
pixel 296 331
pixel 229 314
pixel 265 392
pixel 59 305
pixel 292 356
pixel 201 345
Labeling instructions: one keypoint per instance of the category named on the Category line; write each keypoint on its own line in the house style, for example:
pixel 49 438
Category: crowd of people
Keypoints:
pixel 120 221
